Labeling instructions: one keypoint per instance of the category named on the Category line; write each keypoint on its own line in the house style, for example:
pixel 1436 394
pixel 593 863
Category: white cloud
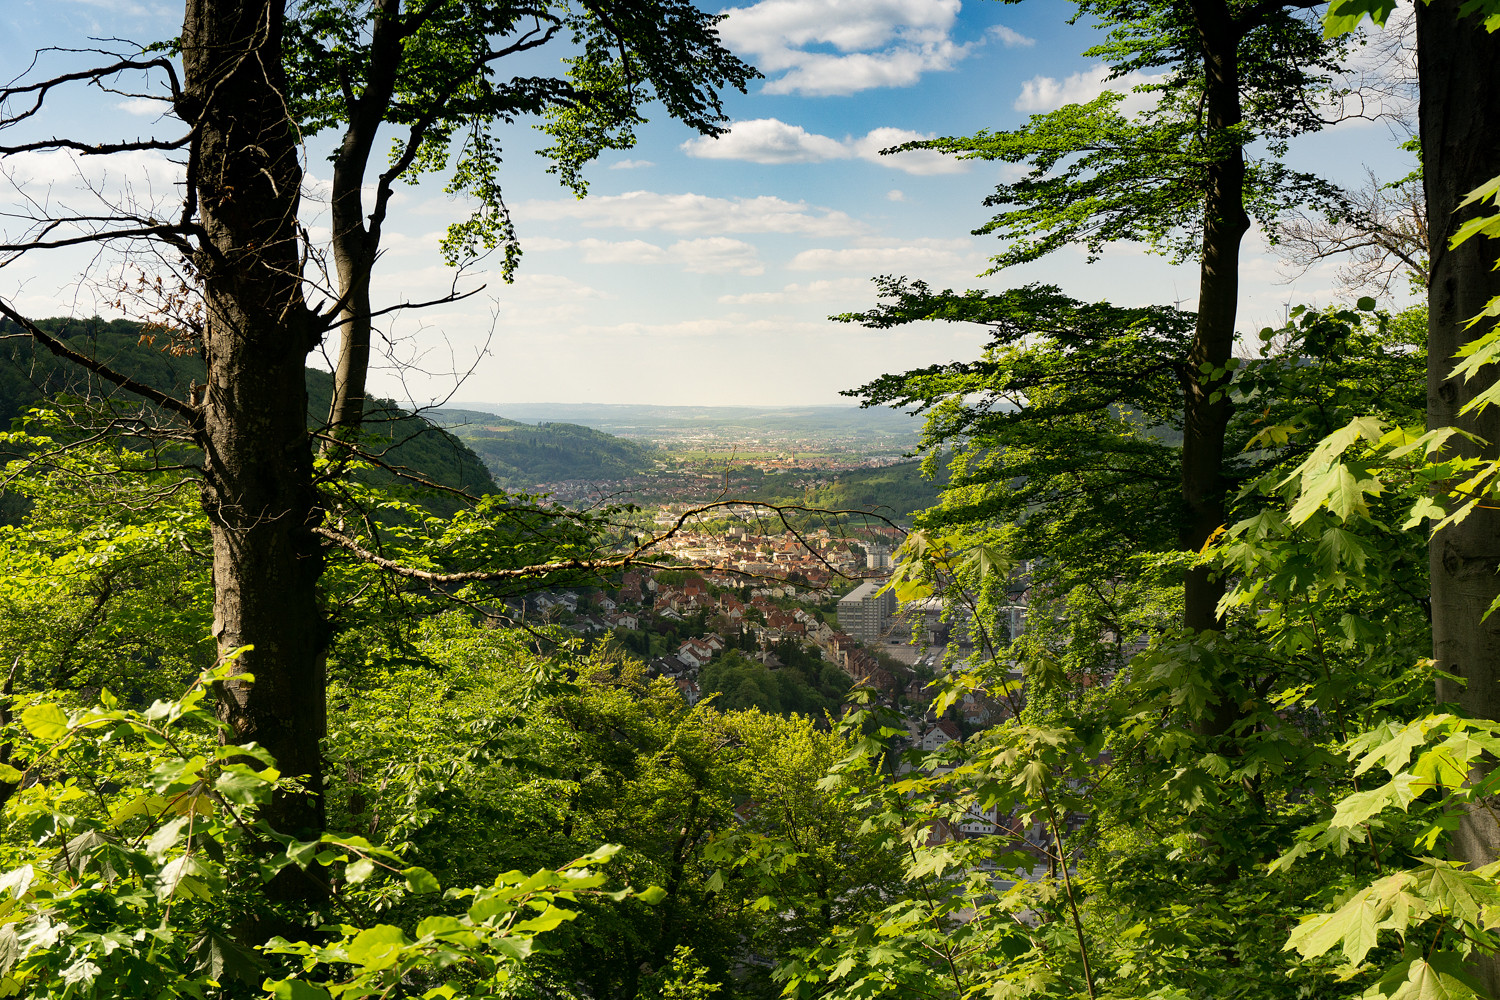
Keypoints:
pixel 767 140
pixel 543 244
pixel 876 43
pixel 539 301
pixel 717 255
pixel 631 164
pixel 143 107
pixel 622 252
pixel 771 140
pixel 694 213
pixel 812 291
pixel 544 287
pixel 1046 93
pixel 872 260
pixel 895 196
pixel 62 186
pixel 1009 37
pixel 916 161
pixel 736 327
pixel 102 173
pixel 710 255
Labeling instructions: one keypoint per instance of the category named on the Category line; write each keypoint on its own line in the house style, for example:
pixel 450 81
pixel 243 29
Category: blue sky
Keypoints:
pixel 698 271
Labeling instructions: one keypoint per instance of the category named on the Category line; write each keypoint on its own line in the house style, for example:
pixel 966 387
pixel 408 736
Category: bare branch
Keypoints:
pixel 94 149
pixel 1383 236
pixel 638 555
pixel 39 90
pixel 190 414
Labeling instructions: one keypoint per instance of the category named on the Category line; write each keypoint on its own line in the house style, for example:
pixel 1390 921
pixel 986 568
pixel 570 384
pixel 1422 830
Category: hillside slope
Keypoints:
pixel 30 375
pixel 522 455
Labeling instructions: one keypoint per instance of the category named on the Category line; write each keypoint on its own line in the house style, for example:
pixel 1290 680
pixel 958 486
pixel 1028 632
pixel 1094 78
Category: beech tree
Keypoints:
pixel 235 237
pixel 1178 178
pixel 433 71
pixel 1457 50
pixel 1461 150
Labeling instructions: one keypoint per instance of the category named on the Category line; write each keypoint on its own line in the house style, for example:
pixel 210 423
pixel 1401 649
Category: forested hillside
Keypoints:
pixel 30 375
pixel 521 455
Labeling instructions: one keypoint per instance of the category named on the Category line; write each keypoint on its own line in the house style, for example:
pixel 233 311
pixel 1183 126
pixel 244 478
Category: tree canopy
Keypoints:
pixel 1215 717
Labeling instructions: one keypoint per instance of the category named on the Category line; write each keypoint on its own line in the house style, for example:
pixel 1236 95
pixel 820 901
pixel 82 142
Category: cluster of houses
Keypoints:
pixel 766 619
pixel 770 615
pixel 817 556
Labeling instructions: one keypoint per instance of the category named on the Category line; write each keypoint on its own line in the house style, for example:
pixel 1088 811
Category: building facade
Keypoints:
pixel 866 614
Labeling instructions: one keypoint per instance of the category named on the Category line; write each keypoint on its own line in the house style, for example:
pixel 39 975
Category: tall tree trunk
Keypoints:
pixel 258 491
pixel 352 260
pixel 1207 418
pixel 354 245
pixel 1460 129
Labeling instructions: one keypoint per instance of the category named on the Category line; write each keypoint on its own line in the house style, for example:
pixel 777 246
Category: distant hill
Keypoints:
pixel 887 427
pixel 895 491
pixel 29 375
pixel 521 455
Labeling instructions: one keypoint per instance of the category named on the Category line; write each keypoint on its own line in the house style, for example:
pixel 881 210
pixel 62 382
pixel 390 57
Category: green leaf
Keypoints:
pixel 377 947
pixel 243 785
pixel 45 722
pixel 359 871
pixel 1358 807
pixel 1339 547
pixel 222 958
pixel 1425 982
pixel 420 880
pixel 1488 191
pixel 1316 934
pixel 294 989
pixel 1343 16
pixel 652 895
pixel 1423 509
pixel 1458 892
pixel 1361 932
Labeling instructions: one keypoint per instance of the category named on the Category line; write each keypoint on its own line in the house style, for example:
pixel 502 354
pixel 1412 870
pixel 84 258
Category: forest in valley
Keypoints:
pixel 279 719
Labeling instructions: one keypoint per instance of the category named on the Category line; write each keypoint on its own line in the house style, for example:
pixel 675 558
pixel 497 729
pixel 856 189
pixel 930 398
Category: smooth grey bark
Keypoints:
pixel 1457 65
pixel 258 494
pixel 354 243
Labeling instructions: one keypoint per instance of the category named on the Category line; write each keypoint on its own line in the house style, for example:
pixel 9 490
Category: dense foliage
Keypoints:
pixel 1271 805
pixel 404 446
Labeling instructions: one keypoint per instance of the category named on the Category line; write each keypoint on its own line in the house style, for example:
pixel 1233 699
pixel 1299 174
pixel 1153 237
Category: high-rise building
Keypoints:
pixel 866 614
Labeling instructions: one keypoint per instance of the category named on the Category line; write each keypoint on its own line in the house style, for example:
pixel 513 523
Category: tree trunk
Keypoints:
pixel 352 261
pixel 354 245
pixel 1207 418
pixel 1460 129
pixel 258 491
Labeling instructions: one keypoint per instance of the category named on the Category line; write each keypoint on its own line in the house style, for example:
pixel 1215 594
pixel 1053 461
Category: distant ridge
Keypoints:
pixel 520 455
pixel 30 375
pixel 649 420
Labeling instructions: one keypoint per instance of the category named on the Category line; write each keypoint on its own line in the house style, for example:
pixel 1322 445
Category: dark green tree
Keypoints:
pixel 1178 176
pixel 436 72
pixel 236 239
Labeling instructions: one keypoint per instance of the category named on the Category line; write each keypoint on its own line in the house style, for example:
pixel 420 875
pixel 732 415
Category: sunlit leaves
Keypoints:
pixel 1343 16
